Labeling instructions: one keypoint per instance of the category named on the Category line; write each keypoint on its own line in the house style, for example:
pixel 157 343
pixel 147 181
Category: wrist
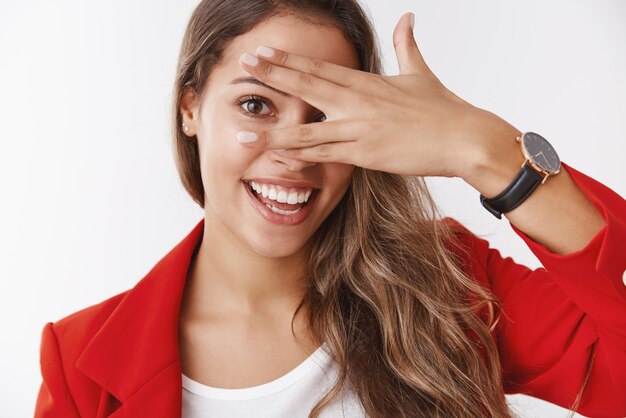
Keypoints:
pixel 497 157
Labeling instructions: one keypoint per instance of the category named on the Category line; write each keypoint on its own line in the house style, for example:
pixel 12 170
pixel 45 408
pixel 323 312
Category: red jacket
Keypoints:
pixel 119 358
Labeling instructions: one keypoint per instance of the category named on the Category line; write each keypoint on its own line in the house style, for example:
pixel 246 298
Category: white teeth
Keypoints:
pixel 282 196
pixel 282 212
pixel 291 196
pixel 292 199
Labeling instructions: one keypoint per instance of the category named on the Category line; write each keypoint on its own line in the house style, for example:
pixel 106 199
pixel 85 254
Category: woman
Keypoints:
pixel 320 278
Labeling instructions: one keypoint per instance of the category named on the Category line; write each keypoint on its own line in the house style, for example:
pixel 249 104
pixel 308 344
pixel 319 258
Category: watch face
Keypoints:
pixel 540 152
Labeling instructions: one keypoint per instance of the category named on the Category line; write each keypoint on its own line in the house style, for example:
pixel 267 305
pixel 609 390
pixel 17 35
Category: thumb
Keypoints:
pixel 410 60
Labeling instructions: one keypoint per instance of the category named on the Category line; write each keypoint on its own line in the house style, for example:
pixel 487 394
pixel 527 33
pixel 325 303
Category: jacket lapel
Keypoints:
pixel 135 354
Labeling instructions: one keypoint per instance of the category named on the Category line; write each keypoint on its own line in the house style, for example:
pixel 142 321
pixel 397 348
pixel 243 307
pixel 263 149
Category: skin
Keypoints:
pixel 247 278
pixel 408 124
pixel 411 124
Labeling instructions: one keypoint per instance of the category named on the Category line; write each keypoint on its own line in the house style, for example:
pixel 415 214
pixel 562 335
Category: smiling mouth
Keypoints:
pixel 272 213
pixel 281 206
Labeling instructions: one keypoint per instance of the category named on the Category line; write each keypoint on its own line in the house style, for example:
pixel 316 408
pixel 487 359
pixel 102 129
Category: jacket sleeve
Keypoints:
pixel 554 315
pixel 54 398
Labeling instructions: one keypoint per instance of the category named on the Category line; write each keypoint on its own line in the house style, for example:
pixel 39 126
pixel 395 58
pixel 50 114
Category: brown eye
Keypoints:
pixel 253 106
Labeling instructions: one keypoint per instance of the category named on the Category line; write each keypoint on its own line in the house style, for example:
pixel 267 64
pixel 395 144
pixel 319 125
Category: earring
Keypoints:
pixel 185 127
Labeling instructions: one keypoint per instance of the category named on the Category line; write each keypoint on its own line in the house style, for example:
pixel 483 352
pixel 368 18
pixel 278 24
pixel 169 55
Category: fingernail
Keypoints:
pixel 246 137
pixel 265 51
pixel 412 20
pixel 249 59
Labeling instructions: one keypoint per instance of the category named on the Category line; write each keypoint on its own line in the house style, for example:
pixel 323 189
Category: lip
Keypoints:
pixel 277 218
pixel 287 183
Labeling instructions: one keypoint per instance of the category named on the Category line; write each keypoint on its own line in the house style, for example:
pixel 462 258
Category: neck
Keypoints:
pixel 227 277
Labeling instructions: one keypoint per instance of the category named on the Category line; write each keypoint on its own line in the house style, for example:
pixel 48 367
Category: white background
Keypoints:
pixel 91 200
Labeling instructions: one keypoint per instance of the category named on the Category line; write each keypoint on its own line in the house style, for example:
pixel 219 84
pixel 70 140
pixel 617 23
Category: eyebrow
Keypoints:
pixel 253 80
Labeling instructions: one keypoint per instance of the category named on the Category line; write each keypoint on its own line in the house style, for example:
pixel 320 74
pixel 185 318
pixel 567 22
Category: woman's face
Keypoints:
pixel 225 163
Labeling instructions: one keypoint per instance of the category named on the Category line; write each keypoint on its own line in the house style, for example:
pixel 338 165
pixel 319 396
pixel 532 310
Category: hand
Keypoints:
pixel 408 124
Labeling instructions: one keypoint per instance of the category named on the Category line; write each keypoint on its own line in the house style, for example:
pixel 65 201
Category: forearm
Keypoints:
pixel 557 214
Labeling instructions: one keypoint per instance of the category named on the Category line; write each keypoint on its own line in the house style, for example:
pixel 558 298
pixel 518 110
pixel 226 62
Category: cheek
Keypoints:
pixel 222 153
pixel 222 164
pixel 337 179
pixel 338 175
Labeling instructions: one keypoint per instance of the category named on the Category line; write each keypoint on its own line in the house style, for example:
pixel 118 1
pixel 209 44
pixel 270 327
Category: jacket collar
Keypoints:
pixel 137 346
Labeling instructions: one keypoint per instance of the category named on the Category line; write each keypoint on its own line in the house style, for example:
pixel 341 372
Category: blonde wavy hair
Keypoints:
pixel 411 332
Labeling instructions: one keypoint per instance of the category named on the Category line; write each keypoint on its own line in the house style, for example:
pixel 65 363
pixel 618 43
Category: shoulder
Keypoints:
pixel 460 238
pixel 73 332
pixel 92 316
pixel 474 252
pixel 65 389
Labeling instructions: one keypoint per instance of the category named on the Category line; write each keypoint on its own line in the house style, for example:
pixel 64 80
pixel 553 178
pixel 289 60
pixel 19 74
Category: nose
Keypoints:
pixel 292 164
pixel 300 115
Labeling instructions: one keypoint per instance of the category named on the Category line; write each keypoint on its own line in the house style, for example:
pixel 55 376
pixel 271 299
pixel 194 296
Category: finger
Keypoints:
pixel 322 94
pixel 338 74
pixel 410 60
pixel 338 152
pixel 308 135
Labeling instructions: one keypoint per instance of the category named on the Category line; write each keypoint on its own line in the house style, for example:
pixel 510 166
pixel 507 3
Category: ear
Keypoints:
pixel 189 107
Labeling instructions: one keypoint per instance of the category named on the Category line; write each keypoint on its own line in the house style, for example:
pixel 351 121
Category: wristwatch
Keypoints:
pixel 541 161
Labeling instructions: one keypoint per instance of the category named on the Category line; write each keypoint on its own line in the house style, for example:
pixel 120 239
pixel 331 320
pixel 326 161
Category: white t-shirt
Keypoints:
pixel 292 395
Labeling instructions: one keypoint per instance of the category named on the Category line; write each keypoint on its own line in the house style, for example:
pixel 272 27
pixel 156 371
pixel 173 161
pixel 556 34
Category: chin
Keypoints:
pixel 278 247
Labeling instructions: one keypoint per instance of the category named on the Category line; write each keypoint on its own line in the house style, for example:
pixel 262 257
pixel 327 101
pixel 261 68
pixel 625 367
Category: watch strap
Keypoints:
pixel 521 187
